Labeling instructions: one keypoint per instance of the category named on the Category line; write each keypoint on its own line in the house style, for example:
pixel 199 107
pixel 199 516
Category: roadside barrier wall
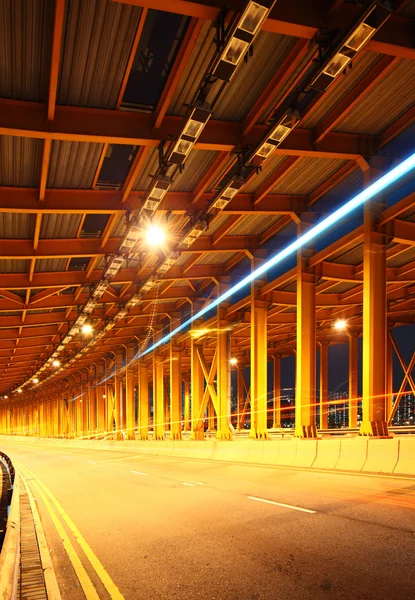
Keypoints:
pixel 366 455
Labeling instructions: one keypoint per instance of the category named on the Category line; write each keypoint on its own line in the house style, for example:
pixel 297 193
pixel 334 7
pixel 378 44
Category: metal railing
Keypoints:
pixel 10 551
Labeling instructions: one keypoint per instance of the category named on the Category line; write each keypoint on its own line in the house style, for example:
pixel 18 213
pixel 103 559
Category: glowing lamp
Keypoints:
pixel 155 236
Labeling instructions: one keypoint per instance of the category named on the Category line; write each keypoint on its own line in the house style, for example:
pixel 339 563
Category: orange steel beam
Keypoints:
pixel 24 200
pixel 211 174
pixel 355 95
pixel 281 77
pixel 14 298
pixel 192 33
pixel 47 145
pixel 133 172
pixel 302 21
pixel 99 165
pixel 27 119
pixel 57 248
pixel 131 58
pixel 226 228
pixel 109 227
pixel 275 178
pixel 46 294
pixel 56 54
pixel 36 232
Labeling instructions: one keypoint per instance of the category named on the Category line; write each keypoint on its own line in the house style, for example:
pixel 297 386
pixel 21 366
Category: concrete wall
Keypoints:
pixel 366 455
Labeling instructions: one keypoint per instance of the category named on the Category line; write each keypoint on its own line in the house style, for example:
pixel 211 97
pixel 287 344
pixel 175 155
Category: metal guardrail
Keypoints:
pixel 10 552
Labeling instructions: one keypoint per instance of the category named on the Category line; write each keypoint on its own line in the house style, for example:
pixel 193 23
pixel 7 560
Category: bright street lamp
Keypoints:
pixel 340 325
pixel 233 361
pixel 56 363
pixel 87 329
pixel 155 235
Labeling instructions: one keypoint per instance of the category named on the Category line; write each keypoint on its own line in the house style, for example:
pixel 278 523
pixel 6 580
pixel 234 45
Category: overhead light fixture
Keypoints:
pixel 155 236
pixel 130 238
pixel 114 266
pixel 340 325
pixel 123 312
pixel 5 397
pixel 133 301
pixel 87 329
pixel 56 364
pixel 196 231
pixel 157 192
pixel 194 124
pixel 101 287
pixel 20 390
pixel 240 38
pixel 149 283
pixel 372 19
pixel 89 306
pixel 168 263
pixel 280 130
pixel 225 195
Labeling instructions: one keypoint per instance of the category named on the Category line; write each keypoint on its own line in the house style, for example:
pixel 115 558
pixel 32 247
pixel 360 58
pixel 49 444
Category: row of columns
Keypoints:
pixel 91 403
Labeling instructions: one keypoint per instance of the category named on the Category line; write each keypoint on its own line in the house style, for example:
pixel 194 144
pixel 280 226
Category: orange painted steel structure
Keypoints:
pixel 367 276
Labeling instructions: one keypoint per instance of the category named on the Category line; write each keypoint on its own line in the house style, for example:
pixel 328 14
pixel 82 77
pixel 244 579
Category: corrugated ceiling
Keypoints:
pixel 97 41
pixel 73 164
pixel 19 226
pixel 25 47
pixel 20 161
pixel 307 175
pixel 56 226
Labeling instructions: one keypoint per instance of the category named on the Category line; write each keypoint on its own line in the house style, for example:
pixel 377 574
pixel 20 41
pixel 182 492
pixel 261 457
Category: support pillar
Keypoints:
pixel 197 389
pixel 130 396
pixel 324 385
pixel 143 401
pixel 158 396
pixel 186 392
pixel 276 421
pixel 259 381
pixel 118 391
pixel 389 374
pixel 374 417
pixel 175 389
pixel 241 398
pixel 223 373
pixel 305 393
pixel 101 400
pixel 353 378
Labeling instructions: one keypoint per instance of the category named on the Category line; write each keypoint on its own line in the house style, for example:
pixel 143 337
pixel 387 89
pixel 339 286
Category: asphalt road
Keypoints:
pixel 183 529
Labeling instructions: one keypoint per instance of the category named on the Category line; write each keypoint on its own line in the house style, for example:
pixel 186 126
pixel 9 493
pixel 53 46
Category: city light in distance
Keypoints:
pixel 340 325
pixel 87 329
pixel 56 363
pixel 35 380
pixel 155 236
pixel 234 361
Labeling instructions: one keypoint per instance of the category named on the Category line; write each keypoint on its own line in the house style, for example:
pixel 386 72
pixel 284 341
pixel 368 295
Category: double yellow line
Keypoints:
pixel 55 511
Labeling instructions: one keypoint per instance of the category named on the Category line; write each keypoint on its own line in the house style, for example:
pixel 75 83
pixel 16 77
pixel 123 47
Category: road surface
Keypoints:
pixel 164 528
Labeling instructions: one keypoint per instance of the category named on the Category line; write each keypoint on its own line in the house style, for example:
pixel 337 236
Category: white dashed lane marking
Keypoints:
pixel 306 510
pixel 139 473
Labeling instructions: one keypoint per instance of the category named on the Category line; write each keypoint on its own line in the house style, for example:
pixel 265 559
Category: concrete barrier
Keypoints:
pixel 406 459
pixel 382 456
pixel 287 453
pixel 306 453
pixel 270 452
pixel 328 454
pixel 256 451
pixel 353 454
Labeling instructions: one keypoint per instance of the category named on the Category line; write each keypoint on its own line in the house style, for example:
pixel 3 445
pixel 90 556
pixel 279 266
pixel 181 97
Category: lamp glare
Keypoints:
pixel 155 236
pixel 340 325
pixel 56 363
pixel 87 329
pixel 233 361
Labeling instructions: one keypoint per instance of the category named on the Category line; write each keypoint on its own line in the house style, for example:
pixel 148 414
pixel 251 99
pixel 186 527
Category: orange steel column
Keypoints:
pixel 324 384
pixel 305 393
pixel 143 401
pixel 374 417
pixel 353 378
pixel 175 389
pixel 186 394
pixel 258 370
pixel 389 375
pixel 130 396
pixel 276 421
pixel 158 393
pixel 118 393
pixel 223 373
pixel 197 388
pixel 101 399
